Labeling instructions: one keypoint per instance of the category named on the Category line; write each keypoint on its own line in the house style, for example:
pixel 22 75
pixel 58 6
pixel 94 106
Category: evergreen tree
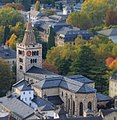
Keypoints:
pixel 6 77
pixel 6 33
pixel 37 5
pixel 62 65
pixel 51 39
pixel 84 62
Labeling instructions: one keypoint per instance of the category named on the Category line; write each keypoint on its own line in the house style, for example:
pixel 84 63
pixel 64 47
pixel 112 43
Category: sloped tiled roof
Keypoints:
pixel 56 100
pixel 42 104
pixel 81 78
pixel 16 106
pixel 100 97
pixel 7 53
pixel 29 37
pixel 108 32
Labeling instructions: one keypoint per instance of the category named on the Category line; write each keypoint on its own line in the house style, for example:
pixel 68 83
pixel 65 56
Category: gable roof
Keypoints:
pixel 42 104
pixel 16 106
pixel 22 85
pixel 100 97
pixel 65 83
pixel 56 100
pixel 108 32
pixel 108 111
pixel 81 78
pixel 7 53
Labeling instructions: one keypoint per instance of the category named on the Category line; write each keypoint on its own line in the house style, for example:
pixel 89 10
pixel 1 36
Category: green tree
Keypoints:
pixel 6 77
pixel 62 65
pixel 6 33
pixel 84 62
pixel 51 38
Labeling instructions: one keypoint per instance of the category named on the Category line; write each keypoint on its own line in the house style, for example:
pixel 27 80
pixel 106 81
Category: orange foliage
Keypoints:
pixel 109 61
pixel 113 65
pixel 49 67
pixel 12 41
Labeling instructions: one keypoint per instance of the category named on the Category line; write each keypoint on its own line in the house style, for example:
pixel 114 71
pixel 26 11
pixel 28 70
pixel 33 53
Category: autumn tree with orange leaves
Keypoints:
pixel 11 43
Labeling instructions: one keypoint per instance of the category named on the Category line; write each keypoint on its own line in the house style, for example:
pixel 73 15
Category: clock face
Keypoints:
pixel 28 53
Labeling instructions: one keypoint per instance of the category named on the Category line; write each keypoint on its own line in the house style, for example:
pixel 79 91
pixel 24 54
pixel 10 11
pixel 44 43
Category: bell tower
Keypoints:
pixel 29 53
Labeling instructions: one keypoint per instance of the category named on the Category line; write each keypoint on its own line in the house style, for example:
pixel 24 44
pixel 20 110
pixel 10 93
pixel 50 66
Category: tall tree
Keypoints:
pixel 51 38
pixel 5 77
pixel 84 62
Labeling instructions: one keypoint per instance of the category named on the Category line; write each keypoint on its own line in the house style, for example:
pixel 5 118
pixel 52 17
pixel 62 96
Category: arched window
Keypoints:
pixel 73 107
pixel 90 105
pixel 81 109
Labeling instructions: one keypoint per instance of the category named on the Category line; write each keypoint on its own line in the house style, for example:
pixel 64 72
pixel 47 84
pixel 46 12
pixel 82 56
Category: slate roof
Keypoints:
pixel 81 78
pixel 56 100
pixel 37 70
pixel 29 37
pixel 108 111
pixel 51 80
pixel 114 77
pixel 22 85
pixel 42 104
pixel 16 106
pixel 7 53
pixel 70 33
pixel 86 118
pixel 64 82
pixel 108 32
pixel 101 97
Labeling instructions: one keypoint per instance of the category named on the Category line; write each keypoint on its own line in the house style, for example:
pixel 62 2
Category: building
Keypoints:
pixel 8 55
pixel 74 93
pixel 110 33
pixel 68 35
pixel 113 86
pixel 66 11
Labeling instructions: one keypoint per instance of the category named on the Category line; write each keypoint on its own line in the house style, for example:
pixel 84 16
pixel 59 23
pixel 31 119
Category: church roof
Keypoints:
pixel 42 104
pixel 65 83
pixel 81 78
pixel 29 37
pixel 56 100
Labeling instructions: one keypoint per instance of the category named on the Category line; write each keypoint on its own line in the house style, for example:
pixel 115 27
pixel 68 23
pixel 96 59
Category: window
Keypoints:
pixel 20 52
pixel 25 99
pixel 24 93
pixel 90 105
pixel 21 67
pixel 29 92
pixel 13 62
pixel 81 109
pixel 20 60
pixel 115 118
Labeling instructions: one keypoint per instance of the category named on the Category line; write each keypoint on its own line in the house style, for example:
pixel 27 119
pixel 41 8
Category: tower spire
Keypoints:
pixel 29 37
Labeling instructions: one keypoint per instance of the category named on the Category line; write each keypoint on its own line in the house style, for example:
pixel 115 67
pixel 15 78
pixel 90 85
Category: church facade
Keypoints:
pixel 75 93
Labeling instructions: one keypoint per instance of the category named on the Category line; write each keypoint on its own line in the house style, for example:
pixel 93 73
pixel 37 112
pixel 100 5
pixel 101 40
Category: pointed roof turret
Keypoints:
pixel 29 37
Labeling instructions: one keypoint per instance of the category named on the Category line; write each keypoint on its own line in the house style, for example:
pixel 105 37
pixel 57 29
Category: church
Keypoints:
pixel 76 94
